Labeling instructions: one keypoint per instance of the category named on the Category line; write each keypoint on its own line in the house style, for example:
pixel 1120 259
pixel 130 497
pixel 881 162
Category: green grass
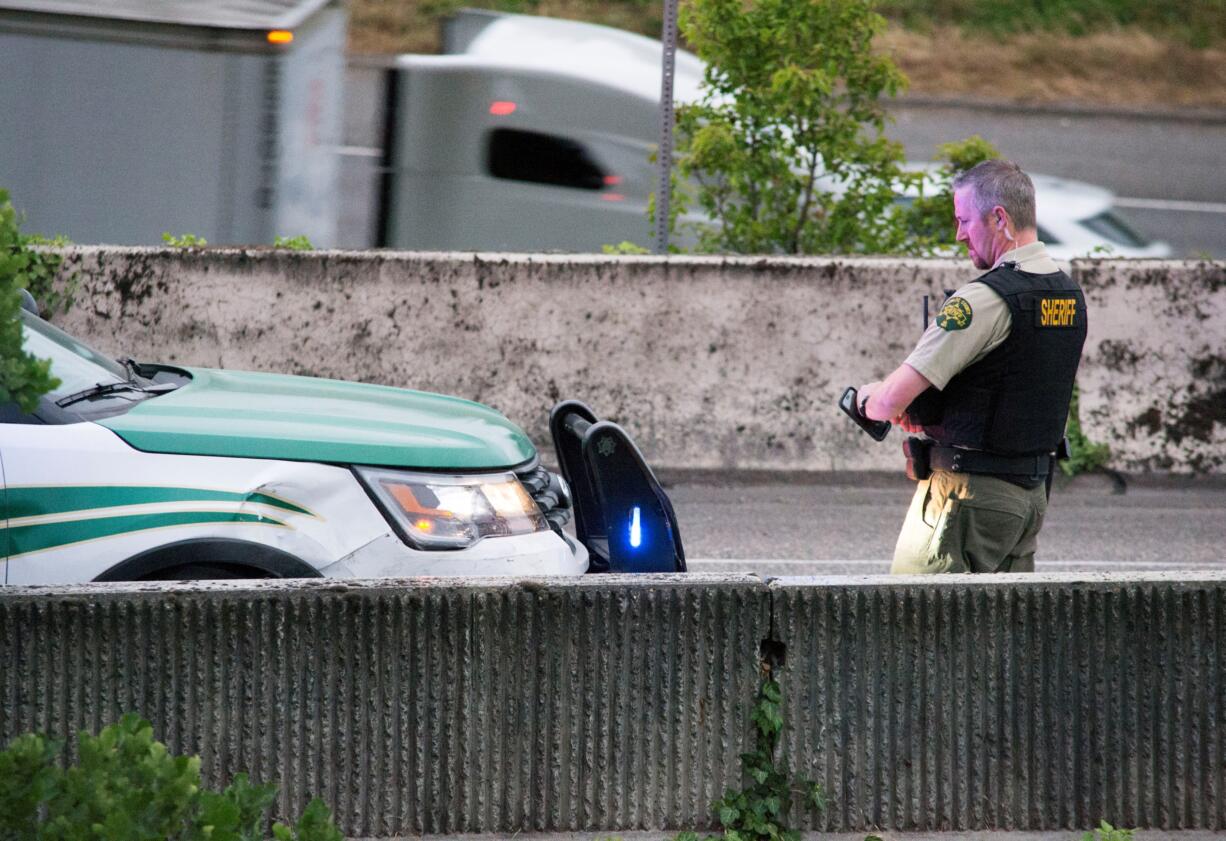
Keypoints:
pixel 1197 22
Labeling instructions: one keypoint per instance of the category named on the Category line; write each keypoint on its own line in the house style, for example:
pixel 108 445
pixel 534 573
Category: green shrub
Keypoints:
pixel 624 247
pixel 298 243
pixel 183 240
pixel 793 100
pixel 757 812
pixel 1106 832
pixel 1086 455
pixel 126 786
pixel 786 153
pixel 23 379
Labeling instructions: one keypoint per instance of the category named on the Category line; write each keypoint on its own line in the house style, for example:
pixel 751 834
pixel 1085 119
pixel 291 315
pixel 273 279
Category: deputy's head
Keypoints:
pixel 994 210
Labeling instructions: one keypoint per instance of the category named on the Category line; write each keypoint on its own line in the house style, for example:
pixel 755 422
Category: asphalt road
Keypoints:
pixel 1143 160
pixel 774 525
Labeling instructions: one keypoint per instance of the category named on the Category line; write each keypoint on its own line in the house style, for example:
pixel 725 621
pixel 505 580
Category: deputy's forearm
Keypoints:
pixel 895 394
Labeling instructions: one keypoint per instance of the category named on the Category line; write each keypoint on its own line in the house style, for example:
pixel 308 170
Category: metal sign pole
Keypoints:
pixel 665 154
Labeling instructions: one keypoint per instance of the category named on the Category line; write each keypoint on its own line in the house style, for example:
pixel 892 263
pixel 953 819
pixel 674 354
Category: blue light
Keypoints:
pixel 636 530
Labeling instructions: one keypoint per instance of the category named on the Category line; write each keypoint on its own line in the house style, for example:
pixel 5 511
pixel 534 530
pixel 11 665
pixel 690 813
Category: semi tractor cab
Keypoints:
pixel 529 134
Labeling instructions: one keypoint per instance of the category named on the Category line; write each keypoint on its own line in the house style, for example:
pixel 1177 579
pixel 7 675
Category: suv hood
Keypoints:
pixel 273 416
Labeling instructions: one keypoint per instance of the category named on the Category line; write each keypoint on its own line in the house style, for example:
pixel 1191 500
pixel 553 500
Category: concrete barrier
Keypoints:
pixel 623 703
pixel 1033 703
pixel 430 708
pixel 711 362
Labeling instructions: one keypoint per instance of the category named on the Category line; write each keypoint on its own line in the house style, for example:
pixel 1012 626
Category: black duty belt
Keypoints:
pixel 958 460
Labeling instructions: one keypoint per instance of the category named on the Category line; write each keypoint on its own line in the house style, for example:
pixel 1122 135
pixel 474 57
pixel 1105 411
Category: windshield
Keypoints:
pixel 77 366
pixel 1114 228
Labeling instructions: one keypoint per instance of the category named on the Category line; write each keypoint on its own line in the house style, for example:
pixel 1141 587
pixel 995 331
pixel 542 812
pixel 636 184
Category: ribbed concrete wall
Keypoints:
pixel 623 703
pixel 427 708
pixel 1050 702
pixel 709 362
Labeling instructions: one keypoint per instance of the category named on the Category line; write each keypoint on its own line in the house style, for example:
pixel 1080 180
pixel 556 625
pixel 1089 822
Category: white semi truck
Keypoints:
pixel 527 134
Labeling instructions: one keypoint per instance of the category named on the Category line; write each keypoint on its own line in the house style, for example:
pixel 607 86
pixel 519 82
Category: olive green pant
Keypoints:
pixel 960 522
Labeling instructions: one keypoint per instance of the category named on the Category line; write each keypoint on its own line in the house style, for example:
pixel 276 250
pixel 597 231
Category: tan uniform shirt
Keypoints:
pixel 973 322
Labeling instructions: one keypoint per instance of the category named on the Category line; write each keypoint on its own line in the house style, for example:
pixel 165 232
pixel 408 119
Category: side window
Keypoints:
pixel 532 156
pixel 11 413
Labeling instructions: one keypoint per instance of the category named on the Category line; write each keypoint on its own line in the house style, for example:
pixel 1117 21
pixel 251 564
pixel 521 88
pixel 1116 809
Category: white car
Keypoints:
pixel 131 471
pixel 1080 220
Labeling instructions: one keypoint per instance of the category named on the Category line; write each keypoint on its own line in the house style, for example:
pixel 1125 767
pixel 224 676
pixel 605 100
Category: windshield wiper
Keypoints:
pixel 133 368
pixel 103 389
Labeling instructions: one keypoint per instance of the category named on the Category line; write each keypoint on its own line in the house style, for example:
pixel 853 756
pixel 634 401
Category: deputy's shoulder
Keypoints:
pixel 973 304
pixel 978 292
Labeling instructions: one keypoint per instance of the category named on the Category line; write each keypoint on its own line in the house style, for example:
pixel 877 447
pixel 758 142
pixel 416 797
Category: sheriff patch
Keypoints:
pixel 1056 312
pixel 955 315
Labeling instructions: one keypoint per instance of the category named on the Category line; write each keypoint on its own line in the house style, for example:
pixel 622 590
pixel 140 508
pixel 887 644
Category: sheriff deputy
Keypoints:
pixel 989 386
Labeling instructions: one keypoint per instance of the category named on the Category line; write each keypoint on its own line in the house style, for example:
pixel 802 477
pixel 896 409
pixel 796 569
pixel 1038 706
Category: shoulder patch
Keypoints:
pixel 955 315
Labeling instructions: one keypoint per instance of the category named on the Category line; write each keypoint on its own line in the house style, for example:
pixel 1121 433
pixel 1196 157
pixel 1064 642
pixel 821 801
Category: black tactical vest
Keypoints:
pixel 1015 401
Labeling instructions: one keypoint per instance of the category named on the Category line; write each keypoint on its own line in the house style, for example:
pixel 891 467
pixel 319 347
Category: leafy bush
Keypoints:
pixel 1086 455
pixel 298 243
pixel 786 143
pixel 624 247
pixel 756 813
pixel 785 152
pixel 1106 832
pixel 23 378
pixel 183 240
pixel 128 787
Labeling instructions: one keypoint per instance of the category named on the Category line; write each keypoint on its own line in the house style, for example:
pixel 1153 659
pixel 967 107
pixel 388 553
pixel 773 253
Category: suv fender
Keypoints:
pixel 262 561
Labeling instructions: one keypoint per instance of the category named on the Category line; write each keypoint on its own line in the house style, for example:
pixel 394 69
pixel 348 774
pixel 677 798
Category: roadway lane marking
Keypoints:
pixel 1173 204
pixel 358 151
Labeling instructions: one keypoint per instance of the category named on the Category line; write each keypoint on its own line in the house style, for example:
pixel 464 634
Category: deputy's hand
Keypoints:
pixel 866 391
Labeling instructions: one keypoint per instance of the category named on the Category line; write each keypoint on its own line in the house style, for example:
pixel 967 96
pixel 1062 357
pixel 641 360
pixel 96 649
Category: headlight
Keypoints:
pixel 451 512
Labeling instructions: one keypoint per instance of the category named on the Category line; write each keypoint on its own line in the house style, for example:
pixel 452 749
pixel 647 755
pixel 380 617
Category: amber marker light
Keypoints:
pixel 280 36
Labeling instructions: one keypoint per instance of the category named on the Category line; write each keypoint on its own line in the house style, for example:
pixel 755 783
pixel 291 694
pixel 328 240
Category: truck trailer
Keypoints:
pixel 218 118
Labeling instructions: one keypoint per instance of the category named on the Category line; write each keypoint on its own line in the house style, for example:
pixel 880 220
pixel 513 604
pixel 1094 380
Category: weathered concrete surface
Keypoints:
pixel 710 362
pixel 1154 377
pixel 1039 702
pixel 414 706
pixel 622 703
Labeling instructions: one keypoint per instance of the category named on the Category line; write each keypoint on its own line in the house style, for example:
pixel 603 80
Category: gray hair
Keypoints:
pixel 1000 182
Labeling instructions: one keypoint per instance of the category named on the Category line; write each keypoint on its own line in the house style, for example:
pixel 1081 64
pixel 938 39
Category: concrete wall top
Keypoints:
pixel 248 588
pixel 711 362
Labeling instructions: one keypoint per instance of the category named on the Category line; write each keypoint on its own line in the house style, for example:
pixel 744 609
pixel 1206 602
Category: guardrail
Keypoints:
pixel 622 702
